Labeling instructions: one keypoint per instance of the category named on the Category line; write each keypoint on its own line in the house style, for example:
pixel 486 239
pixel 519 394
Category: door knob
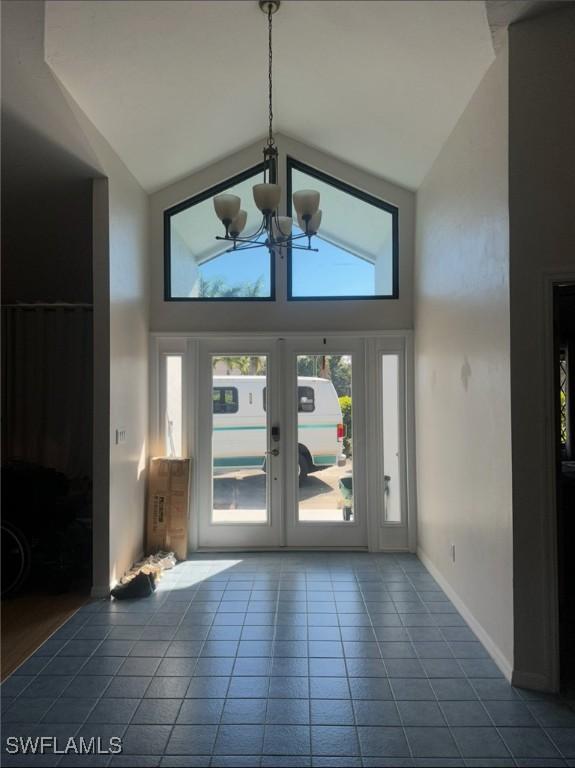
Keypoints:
pixel 273 452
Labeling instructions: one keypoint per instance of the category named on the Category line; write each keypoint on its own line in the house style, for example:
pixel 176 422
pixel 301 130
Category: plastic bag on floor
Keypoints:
pixel 147 572
pixel 141 585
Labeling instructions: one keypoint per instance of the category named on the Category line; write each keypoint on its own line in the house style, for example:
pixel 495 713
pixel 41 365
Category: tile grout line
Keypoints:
pixel 387 678
pixel 403 727
pixel 230 677
pixel 411 577
pixel 143 698
pixel 429 679
pixel 73 677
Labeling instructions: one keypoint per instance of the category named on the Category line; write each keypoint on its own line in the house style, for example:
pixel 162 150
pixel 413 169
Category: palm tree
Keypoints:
pixel 240 364
pixel 218 288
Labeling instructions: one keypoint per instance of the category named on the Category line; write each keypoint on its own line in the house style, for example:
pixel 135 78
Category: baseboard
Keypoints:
pixel 532 680
pixel 387 550
pixel 490 645
pixel 239 550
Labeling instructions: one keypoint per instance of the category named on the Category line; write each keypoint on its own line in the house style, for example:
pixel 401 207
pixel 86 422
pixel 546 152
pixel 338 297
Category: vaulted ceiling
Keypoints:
pixel 174 86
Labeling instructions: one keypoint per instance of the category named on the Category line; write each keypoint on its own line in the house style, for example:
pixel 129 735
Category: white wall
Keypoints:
pixel 128 353
pixel 542 215
pixel 282 315
pixel 383 274
pixel 60 137
pixel 184 267
pixel 47 168
pixel 462 367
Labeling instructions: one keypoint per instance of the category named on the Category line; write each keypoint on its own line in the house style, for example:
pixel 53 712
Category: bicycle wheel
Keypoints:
pixel 16 559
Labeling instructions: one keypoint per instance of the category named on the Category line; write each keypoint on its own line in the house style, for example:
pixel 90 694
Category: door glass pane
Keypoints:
pixel 173 427
pixel 391 432
pixel 325 444
pixel 239 439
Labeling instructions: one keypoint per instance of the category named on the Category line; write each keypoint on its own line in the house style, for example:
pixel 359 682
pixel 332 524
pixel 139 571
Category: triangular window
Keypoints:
pixel 200 267
pixel 357 243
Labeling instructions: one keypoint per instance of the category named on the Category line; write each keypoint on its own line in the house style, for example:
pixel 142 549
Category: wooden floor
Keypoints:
pixel 29 619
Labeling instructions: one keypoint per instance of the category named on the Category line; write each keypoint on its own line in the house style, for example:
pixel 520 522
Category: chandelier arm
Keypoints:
pixel 271 245
pixel 282 243
pixel 247 240
pixel 264 225
pixel 256 243
pixel 299 237
pixel 304 248
pixel 247 247
pixel 259 231
pixel 251 239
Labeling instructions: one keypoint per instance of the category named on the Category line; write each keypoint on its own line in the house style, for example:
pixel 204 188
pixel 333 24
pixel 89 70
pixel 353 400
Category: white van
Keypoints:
pixel 239 424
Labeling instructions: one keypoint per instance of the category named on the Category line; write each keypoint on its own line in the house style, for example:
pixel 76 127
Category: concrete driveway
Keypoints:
pixel 244 492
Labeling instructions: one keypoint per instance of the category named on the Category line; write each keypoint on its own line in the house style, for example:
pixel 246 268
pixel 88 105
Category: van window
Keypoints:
pixel 306 399
pixel 225 400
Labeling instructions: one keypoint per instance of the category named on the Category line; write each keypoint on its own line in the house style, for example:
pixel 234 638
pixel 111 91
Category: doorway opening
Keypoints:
pixel 564 378
pixel 297 441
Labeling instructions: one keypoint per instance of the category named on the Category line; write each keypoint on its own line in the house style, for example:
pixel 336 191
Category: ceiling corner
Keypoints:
pixel 502 13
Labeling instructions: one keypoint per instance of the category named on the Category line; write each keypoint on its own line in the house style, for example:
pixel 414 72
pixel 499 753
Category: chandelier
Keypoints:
pixel 273 231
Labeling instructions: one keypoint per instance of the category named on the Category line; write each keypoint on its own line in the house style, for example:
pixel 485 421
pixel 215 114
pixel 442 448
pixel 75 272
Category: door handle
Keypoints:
pixel 273 452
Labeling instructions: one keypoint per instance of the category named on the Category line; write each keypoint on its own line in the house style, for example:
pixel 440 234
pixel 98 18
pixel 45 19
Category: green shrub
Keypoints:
pixel 345 405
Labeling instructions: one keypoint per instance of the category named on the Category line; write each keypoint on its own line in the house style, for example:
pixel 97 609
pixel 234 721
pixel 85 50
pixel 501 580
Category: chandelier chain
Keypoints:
pixel 276 229
pixel 270 80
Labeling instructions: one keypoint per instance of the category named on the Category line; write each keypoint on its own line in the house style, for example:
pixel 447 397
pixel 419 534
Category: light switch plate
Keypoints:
pixel 121 435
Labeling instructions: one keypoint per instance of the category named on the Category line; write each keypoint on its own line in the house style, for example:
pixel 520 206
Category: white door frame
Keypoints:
pixel 325 534
pixel 385 535
pixel 242 535
pixel 381 536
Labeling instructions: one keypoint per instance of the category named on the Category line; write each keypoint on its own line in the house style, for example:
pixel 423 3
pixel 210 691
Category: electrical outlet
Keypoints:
pixel 121 435
pixel 452 548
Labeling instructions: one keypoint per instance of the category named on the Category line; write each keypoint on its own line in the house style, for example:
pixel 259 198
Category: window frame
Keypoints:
pixel 206 194
pixel 293 164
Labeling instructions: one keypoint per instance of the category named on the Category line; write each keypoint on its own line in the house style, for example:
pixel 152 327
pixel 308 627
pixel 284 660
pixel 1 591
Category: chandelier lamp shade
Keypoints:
pixel 274 230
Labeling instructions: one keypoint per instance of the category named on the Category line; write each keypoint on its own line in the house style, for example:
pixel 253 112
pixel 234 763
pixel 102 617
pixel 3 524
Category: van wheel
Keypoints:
pixel 303 468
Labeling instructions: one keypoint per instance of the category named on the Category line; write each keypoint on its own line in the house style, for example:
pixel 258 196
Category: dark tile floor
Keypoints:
pixel 284 659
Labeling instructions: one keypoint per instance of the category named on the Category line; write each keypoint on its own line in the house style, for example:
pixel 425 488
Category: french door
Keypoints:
pixel 325 462
pixel 299 441
pixel 239 450
pixel 277 421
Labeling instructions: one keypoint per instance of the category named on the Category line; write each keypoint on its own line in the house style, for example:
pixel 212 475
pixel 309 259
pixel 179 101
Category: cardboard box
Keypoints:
pixel 168 495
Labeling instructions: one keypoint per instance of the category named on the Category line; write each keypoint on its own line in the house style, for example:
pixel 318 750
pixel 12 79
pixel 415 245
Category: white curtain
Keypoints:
pixel 47 386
